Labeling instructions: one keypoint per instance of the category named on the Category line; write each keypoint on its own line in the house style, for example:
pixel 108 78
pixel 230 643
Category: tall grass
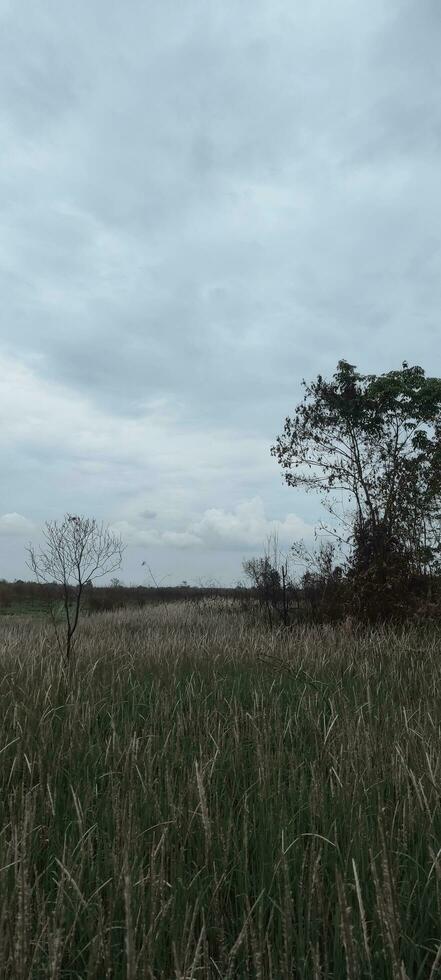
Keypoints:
pixel 198 798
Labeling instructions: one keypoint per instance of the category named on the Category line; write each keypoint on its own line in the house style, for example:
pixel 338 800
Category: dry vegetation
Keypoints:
pixel 199 798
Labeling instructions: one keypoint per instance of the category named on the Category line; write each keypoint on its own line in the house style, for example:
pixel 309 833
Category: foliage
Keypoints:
pixel 370 445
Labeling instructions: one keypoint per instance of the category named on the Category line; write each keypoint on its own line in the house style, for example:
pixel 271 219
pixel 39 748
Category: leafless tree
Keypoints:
pixel 272 582
pixel 75 553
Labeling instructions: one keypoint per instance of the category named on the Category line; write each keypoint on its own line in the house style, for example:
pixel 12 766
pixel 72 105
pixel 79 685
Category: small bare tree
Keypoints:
pixel 75 553
pixel 272 582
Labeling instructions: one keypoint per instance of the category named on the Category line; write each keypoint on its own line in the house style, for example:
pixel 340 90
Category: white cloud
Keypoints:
pixel 247 526
pixel 15 524
pixel 243 528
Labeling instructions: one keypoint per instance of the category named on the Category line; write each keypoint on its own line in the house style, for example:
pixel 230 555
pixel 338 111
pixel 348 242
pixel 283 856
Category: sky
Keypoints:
pixel 201 204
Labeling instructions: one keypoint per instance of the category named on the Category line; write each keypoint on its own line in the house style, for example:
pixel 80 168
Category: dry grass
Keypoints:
pixel 200 799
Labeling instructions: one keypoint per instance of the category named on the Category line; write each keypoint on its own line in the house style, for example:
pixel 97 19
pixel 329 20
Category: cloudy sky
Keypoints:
pixel 203 202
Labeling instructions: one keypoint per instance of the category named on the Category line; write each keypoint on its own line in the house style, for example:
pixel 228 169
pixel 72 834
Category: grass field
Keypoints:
pixel 199 798
pixel 31 608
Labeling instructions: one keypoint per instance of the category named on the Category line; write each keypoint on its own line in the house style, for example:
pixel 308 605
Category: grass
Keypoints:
pixel 198 798
pixel 28 607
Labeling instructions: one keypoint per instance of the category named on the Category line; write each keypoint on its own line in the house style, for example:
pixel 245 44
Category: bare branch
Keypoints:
pixel 75 553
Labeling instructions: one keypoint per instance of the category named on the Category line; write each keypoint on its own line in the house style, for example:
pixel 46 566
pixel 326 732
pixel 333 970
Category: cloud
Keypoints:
pixel 202 204
pixel 180 539
pixel 208 203
pixel 247 527
pixel 244 528
pixel 48 424
pixel 15 524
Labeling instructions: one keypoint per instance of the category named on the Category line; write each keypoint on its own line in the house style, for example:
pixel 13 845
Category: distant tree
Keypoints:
pixel 75 553
pixel 370 445
pixel 271 581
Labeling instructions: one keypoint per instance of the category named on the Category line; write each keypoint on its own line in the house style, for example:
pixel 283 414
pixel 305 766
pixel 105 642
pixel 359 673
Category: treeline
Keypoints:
pixel 326 592
pixel 22 596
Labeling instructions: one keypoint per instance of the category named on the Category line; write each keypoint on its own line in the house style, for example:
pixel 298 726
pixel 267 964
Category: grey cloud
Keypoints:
pixel 203 203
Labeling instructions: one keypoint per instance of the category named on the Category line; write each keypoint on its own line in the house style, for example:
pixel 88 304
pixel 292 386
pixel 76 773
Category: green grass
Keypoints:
pixel 200 799
pixel 39 609
pixel 27 607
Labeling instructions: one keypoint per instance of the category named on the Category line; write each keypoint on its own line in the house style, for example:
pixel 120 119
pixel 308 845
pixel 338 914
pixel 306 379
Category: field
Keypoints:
pixel 200 798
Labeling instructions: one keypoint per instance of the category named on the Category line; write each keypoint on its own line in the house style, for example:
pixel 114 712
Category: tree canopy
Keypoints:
pixel 370 445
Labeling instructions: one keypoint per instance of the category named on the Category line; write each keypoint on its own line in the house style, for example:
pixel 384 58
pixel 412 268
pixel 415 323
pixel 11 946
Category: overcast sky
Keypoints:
pixel 202 202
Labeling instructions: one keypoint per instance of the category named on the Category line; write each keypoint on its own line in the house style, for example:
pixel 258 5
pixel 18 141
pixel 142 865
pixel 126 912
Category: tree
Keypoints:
pixel 320 585
pixel 370 445
pixel 75 553
pixel 270 578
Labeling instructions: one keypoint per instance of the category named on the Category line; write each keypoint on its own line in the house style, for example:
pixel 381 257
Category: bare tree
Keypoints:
pixel 271 580
pixel 75 553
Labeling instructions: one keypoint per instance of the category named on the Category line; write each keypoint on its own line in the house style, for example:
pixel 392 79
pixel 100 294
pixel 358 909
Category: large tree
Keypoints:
pixel 370 445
